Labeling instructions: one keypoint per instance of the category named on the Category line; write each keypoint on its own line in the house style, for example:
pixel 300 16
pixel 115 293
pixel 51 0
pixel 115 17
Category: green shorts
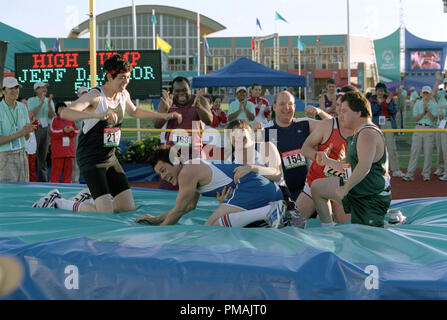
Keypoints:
pixel 368 210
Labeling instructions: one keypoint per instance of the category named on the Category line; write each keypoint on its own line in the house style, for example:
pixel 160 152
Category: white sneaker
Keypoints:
pixel 438 172
pixel 82 196
pixel 443 178
pixel 398 173
pixel 294 219
pixel 275 218
pixel 48 201
pixel 407 178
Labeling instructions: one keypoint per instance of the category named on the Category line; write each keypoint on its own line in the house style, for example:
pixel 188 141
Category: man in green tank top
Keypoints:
pixel 364 189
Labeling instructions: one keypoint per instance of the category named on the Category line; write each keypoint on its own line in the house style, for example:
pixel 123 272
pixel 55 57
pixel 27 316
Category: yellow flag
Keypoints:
pixel 163 45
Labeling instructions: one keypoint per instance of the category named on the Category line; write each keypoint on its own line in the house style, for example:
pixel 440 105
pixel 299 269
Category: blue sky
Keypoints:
pixel 377 18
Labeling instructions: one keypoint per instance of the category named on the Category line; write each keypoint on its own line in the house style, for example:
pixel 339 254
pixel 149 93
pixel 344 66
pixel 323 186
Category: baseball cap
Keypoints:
pixel 241 88
pixel 381 85
pixel 82 89
pixel 426 89
pixel 10 82
pixel 412 88
pixel 38 85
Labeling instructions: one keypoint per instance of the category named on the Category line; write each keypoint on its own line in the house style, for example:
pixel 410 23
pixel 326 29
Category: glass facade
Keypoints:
pixel 317 54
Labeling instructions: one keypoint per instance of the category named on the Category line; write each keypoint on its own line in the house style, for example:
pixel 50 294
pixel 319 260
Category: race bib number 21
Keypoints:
pixel 112 137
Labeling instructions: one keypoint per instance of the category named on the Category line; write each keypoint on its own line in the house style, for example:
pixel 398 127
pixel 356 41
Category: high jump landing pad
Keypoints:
pixel 70 255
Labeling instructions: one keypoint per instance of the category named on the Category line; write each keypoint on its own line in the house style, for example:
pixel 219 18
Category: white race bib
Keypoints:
pixel 293 159
pixel 112 137
pixel 382 120
pixel 330 172
pixel 65 141
pixel 347 171
pixel 182 140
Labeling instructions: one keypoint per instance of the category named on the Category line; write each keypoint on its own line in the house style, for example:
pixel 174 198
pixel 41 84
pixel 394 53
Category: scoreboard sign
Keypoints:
pixel 65 72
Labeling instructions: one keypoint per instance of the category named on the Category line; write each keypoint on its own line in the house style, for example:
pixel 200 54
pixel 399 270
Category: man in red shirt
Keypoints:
pixel 263 110
pixel 62 134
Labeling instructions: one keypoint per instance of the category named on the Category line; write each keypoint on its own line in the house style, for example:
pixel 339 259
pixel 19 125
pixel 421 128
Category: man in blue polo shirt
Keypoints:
pixel 241 108
pixel 43 110
pixel 15 127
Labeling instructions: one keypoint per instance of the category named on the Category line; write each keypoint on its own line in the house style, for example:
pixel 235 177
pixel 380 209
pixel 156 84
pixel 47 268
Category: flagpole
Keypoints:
pixel 348 45
pixel 299 63
pixel 198 44
pixel 153 31
pixel 134 25
pixel 205 59
pixel 92 44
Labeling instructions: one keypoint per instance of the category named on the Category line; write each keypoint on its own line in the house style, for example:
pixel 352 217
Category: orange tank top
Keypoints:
pixel 338 141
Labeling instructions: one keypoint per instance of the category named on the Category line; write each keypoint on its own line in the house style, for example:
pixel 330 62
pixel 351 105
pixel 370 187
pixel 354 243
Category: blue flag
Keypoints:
pixel 279 17
pixel 207 48
pixel 57 46
pixel 258 23
pixel 300 45
pixel 154 19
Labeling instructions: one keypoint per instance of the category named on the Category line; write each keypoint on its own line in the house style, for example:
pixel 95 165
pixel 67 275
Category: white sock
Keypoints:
pixel 65 204
pixel 243 218
pixel 330 224
pixel 90 201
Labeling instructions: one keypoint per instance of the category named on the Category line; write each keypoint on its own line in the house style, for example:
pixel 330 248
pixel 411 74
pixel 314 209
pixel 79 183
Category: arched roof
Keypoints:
pixel 207 25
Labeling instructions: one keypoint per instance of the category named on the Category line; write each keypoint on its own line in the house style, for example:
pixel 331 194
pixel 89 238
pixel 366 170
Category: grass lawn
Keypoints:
pixel 403 142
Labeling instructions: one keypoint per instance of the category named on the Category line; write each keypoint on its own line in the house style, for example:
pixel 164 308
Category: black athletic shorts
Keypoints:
pixel 107 178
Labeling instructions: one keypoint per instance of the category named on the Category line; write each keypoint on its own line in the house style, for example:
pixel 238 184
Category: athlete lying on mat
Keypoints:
pixel 254 197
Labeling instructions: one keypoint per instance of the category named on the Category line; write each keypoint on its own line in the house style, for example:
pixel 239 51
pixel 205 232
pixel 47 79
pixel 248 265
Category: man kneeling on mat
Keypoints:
pixel 254 197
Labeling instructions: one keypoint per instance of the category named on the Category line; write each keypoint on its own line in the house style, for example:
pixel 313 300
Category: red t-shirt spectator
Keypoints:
pixel 256 101
pixel 219 118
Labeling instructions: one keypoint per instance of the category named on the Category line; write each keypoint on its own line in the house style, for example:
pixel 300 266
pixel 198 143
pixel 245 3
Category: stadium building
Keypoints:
pixel 323 56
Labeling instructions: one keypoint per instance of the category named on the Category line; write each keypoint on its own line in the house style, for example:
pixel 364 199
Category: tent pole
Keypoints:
pixel 305 97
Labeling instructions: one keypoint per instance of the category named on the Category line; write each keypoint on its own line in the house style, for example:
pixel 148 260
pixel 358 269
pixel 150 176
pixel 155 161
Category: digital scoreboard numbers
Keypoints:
pixel 65 72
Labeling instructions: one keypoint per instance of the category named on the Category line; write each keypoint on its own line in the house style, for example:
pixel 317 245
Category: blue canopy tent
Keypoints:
pixel 245 72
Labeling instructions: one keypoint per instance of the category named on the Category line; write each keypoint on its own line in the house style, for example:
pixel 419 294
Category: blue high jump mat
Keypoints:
pixel 70 255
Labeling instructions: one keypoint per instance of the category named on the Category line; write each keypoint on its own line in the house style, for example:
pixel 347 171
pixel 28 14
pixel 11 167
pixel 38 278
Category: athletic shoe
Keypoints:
pixel 48 201
pixel 395 217
pixel 275 217
pixel 398 173
pixel 426 179
pixel 407 178
pixel 438 172
pixel 443 178
pixel 294 219
pixel 82 196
